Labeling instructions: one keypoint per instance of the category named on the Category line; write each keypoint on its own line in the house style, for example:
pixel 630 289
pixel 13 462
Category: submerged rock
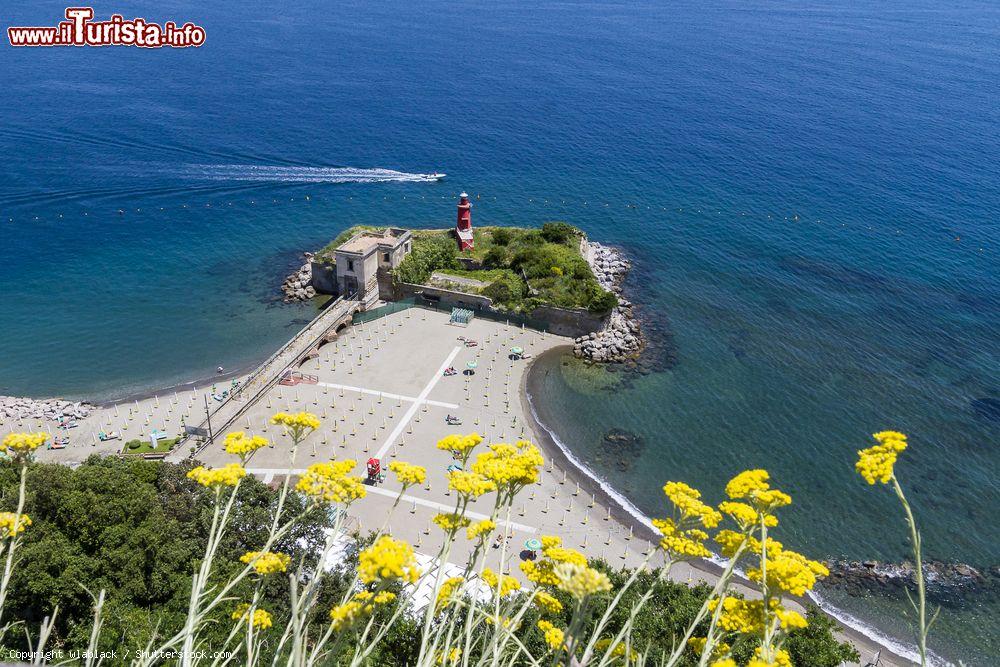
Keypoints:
pixel 620 448
pixel 946 583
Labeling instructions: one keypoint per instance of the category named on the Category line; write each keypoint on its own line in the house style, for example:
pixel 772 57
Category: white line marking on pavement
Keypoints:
pixel 408 415
pixel 270 473
pixel 383 394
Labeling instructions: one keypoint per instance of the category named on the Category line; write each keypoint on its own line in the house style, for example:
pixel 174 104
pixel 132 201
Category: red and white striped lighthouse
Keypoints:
pixel 463 228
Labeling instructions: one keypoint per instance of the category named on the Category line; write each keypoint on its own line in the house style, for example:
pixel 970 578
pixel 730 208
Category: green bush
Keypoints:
pixel 603 302
pixel 502 236
pixel 430 253
pixel 558 232
pixel 495 258
pixel 506 291
pixel 134 444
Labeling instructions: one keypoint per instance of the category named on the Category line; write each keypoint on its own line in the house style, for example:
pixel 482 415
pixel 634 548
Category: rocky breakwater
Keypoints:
pixel 946 583
pixel 621 338
pixel 298 286
pixel 13 408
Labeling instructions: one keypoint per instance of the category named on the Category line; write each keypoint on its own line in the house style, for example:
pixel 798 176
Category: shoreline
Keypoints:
pixel 866 639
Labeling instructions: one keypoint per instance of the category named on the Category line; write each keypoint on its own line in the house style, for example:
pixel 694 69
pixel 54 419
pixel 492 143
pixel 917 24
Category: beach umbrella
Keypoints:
pixel 532 544
pixel 517 350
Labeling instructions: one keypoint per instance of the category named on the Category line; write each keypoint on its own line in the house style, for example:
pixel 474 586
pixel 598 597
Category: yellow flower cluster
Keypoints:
pixel 581 580
pixel 480 529
pixel 369 598
pixel 387 558
pixel 730 542
pixel 554 637
pixel 697 645
pixel 450 523
pixel 330 483
pixel 407 473
pixel 239 444
pixel 725 662
pixel 876 463
pixel 687 500
pixel 447 591
pixel 510 467
pixel 19 444
pixel 788 571
pixel 297 422
pixel 746 516
pixel 228 475
pixel 503 584
pixel 345 615
pixel 547 603
pixel 780 659
pixel 542 572
pixel 617 652
pixel 267 562
pixel 742 616
pixel 753 484
pixel 469 484
pixel 790 619
pixel 12 523
pixel 459 444
pixel 261 619
pixel 449 656
pixel 682 543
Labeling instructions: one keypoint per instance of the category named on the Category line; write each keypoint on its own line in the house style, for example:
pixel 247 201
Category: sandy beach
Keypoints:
pixel 381 392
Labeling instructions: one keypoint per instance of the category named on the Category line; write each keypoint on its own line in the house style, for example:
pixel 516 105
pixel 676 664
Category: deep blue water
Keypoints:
pixel 809 192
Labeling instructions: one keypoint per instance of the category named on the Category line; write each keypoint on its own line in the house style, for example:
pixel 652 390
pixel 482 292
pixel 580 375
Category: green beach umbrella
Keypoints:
pixel 533 544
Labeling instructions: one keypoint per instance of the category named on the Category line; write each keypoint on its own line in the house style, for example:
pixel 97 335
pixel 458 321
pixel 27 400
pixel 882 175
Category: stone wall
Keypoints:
pixel 444 296
pixel 569 322
pixel 323 277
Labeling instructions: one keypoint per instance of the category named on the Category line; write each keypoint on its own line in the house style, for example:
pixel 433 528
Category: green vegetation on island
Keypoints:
pixel 522 268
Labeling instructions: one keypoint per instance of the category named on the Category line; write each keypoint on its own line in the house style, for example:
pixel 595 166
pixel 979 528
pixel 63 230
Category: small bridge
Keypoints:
pixel 284 363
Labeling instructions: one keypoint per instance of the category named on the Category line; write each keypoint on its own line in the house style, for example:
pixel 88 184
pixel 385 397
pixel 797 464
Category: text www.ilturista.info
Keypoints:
pixel 80 30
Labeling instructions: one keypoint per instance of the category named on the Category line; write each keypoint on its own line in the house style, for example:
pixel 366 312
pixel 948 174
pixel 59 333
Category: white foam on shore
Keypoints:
pixel 280 174
pixel 841 616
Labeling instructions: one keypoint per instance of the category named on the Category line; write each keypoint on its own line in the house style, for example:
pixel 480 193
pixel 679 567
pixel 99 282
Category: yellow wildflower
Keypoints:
pixel 329 482
pixel 345 615
pixel 239 444
pixel 407 473
pixel 788 571
pixel 228 475
pixel 387 558
pixel 745 515
pixel 790 619
pixel 617 652
pixel 581 581
pixel 725 662
pixel 686 499
pixel 540 572
pixel 449 656
pixel 22 444
pixel 297 423
pixel 753 485
pixel 503 584
pixel 459 444
pixel 554 637
pixel 447 592
pixel 682 543
pixel 547 602
pixel 469 484
pixel 730 541
pixel 384 597
pixel 697 645
pixel 260 619
pixel 510 467
pixel 780 659
pixel 876 463
pixel 267 562
pixel 742 616
pixel 450 523
pixel 12 523
pixel 480 530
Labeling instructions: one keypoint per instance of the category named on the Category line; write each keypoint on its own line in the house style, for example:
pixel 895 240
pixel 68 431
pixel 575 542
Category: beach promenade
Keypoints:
pixel 381 392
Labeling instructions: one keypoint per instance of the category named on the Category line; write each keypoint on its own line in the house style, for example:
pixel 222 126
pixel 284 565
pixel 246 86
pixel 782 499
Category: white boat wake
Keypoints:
pixel 276 174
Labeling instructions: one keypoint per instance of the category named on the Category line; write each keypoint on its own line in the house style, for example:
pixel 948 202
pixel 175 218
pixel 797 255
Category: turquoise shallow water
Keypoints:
pixel 809 195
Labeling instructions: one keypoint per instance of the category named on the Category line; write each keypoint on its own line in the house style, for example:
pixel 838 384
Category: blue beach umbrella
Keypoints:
pixel 532 544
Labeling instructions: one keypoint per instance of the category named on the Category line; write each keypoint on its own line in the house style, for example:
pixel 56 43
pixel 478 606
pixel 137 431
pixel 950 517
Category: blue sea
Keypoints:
pixel 810 194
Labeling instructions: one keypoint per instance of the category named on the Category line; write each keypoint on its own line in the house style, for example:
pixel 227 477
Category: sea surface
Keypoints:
pixel 810 193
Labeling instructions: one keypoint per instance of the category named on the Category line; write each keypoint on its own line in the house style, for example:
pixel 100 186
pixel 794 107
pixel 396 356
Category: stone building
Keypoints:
pixel 366 260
